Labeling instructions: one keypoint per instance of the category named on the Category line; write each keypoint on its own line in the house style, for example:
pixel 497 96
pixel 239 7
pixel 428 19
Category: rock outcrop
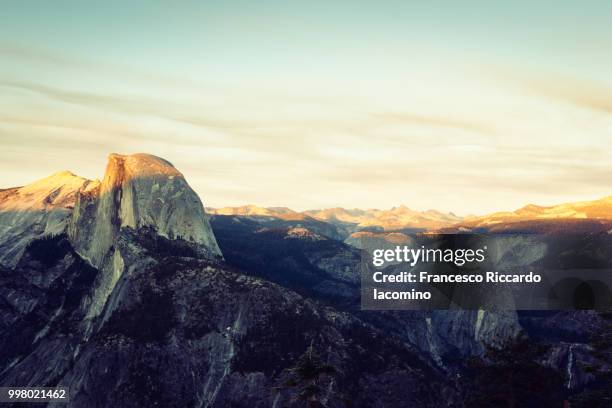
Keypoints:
pixel 177 328
pixel 118 290
pixel 138 191
pixel 40 209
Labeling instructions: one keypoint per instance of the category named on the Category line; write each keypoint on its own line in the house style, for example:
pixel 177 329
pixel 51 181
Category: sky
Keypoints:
pixel 470 107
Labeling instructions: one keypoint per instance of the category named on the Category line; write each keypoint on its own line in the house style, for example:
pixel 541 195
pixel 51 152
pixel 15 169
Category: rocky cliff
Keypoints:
pixel 129 303
pixel 118 290
pixel 42 208
pixel 137 191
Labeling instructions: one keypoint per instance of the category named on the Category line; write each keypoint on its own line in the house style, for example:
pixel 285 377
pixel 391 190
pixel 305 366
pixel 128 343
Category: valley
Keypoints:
pixel 126 287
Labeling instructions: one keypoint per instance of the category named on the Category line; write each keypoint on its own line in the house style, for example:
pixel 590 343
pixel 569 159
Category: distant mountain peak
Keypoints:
pixel 399 217
pixel 251 210
pixel 56 180
pixel 64 174
pixel 137 191
pixel 531 215
pixel 37 209
pixel 247 210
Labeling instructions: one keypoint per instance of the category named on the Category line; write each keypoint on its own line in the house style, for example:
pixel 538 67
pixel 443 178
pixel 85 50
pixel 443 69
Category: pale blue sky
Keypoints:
pixel 466 106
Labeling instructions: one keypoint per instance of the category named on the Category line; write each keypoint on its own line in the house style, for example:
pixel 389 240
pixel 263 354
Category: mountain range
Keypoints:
pixel 597 214
pixel 129 293
pixel 568 216
pixel 395 218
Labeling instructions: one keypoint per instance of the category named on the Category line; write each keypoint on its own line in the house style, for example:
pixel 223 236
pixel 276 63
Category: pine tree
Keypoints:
pixel 306 378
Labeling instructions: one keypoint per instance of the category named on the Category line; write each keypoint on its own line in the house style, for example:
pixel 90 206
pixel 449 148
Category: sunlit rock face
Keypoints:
pixel 40 209
pixel 200 333
pixel 138 191
pixel 116 294
pixel 577 217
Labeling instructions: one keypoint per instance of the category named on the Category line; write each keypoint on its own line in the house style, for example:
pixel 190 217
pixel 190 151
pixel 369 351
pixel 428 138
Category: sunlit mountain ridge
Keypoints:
pixel 395 218
pixel 402 217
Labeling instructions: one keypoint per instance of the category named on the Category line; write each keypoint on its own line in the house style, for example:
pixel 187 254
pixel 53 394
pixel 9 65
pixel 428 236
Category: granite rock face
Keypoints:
pixel 40 209
pixel 137 191
pixel 179 329
pixel 328 270
pixel 118 289
pixel 128 301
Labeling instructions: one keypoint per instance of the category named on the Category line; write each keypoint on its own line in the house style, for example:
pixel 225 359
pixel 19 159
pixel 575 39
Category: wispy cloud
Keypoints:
pixel 73 97
pixel 586 94
pixel 434 121
pixel 92 67
pixel 580 92
pixel 483 146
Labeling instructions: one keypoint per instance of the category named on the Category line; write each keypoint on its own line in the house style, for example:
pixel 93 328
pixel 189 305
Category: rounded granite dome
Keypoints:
pixel 142 165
